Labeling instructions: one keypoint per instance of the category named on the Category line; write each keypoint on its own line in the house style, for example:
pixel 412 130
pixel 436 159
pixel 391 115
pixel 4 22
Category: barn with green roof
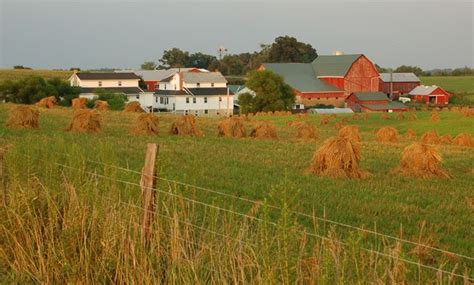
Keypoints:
pixel 329 79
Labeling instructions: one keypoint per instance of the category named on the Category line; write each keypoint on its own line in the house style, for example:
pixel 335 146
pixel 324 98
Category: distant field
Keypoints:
pixel 454 84
pixel 15 74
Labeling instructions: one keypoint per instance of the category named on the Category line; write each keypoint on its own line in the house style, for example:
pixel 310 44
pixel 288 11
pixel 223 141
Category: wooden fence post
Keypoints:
pixel 147 183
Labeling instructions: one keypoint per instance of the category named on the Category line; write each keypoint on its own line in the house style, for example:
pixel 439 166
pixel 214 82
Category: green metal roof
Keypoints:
pixel 334 65
pixel 371 96
pixel 236 88
pixel 397 105
pixel 389 106
pixel 300 76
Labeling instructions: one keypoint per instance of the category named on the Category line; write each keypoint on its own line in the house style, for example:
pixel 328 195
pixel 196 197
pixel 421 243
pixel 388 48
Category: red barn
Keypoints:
pixel 430 95
pixel 399 83
pixel 329 79
pixel 373 102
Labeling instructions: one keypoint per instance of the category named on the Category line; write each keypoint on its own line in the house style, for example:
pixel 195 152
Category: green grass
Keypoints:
pixel 16 74
pixel 438 211
pixel 454 84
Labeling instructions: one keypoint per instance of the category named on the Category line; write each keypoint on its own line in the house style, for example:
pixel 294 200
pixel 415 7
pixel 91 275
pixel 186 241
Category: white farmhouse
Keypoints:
pixel 125 83
pixel 196 93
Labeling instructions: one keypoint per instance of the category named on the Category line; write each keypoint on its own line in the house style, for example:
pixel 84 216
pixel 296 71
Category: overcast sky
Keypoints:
pixel 122 34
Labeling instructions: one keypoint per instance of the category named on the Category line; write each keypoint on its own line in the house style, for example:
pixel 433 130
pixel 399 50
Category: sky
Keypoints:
pixel 123 34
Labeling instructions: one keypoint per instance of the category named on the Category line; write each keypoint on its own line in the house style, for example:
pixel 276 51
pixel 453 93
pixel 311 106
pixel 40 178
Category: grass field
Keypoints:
pixel 437 212
pixel 15 74
pixel 459 85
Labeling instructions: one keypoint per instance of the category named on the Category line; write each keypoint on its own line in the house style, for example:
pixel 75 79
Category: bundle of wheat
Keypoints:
pixel 464 139
pixel 294 123
pixel 468 112
pixel 264 130
pixel 133 107
pixel 47 102
pixel 145 124
pixel 338 125
pixel 282 113
pixel 412 117
pixel 338 157
pixel 350 132
pixel 101 105
pixel 302 115
pixel 79 103
pixel 387 134
pixel 231 127
pixel 446 139
pixel 400 116
pixel 430 137
pixel 435 117
pixel 324 120
pixel 384 116
pixel 455 109
pixel 410 134
pixel 307 131
pixel 355 116
pixel 23 117
pixel 185 126
pixel 366 116
pixel 85 121
pixel 421 160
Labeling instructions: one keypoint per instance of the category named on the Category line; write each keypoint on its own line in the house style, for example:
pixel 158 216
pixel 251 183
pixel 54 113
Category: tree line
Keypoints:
pixel 283 49
pixel 464 71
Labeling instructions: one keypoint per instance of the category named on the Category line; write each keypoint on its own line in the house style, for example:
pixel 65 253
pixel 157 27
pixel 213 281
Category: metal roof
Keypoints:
pixel 124 90
pixel 300 76
pixel 389 106
pixel 159 74
pixel 106 75
pixel 332 110
pixel 371 96
pixel 209 91
pixel 423 90
pixel 201 77
pixel 334 65
pixel 399 77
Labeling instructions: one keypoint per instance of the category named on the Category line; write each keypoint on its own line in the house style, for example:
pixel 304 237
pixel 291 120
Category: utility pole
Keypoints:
pixel 221 50
pixel 391 83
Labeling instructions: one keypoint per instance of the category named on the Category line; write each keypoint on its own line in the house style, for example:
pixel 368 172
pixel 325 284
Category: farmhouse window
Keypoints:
pixel 120 83
pixel 187 100
pixel 161 100
pixel 194 99
pixel 100 83
pixel 198 84
pixel 175 87
pixel 206 112
pixel 220 99
pixel 212 84
pixel 205 99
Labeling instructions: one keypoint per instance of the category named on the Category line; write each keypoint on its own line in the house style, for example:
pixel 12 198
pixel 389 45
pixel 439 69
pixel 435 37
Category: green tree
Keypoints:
pixel 381 69
pixel 148 65
pixel 245 102
pixel 406 68
pixel 174 57
pixel 272 93
pixel 201 60
pixel 289 49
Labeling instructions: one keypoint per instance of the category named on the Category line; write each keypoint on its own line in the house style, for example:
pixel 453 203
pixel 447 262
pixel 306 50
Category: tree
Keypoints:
pixel 272 93
pixel 148 65
pixel 174 58
pixel 200 60
pixel 33 88
pixel 381 69
pixel 289 49
pixel 246 103
pixel 406 68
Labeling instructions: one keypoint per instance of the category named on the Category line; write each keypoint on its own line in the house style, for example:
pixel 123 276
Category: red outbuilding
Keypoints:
pixel 373 102
pixel 430 95
pixel 398 83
